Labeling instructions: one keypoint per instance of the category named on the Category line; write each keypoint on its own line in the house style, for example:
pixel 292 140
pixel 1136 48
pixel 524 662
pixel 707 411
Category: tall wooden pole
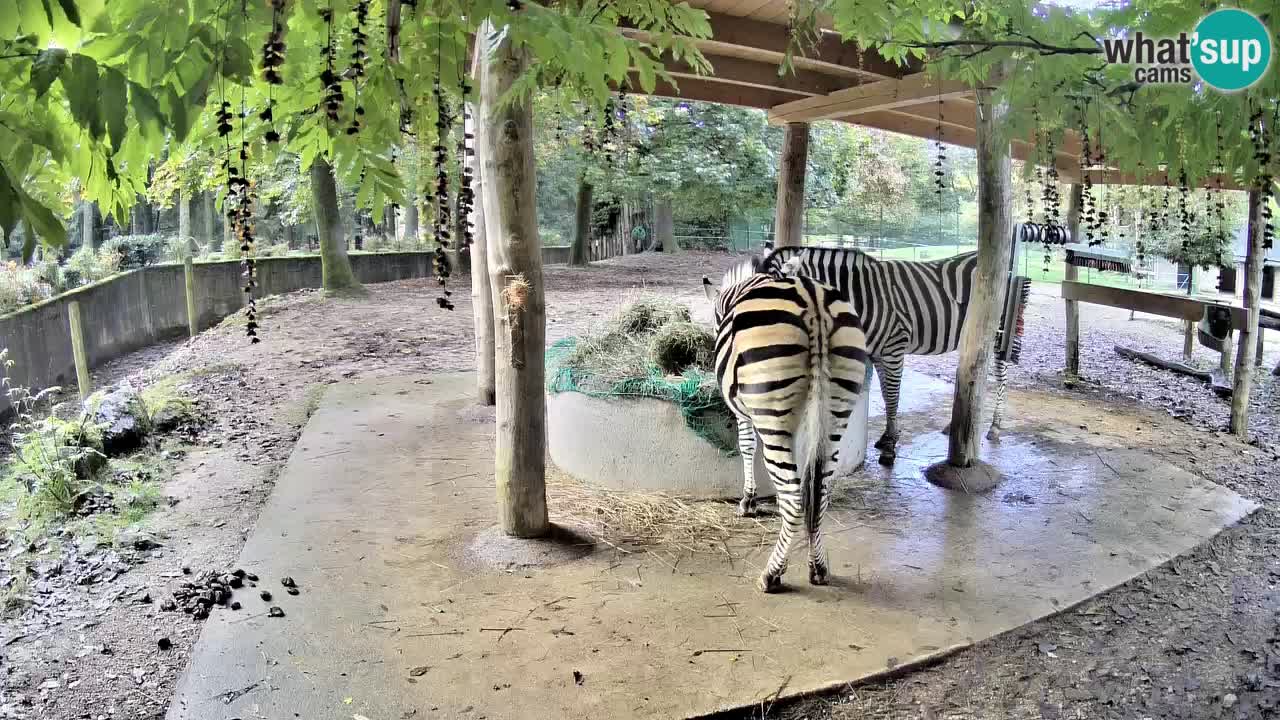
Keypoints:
pixel 995 245
pixel 515 271
pixel 789 219
pixel 1254 258
pixel 582 222
pixel 664 230
pixel 1075 203
pixel 481 289
pixel 78 352
pixel 189 283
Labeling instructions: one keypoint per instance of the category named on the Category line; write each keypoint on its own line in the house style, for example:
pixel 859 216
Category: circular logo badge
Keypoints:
pixel 1231 49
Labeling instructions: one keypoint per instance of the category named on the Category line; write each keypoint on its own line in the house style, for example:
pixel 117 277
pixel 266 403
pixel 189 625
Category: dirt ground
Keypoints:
pixel 1197 638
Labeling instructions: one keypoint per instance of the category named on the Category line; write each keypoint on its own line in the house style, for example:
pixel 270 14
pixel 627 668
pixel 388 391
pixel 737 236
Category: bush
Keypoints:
pixel 89 266
pixel 135 251
pixel 21 286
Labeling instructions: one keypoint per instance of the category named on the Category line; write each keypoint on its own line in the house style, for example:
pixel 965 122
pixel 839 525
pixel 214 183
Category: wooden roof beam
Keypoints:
pixel 873 97
pixel 767 42
pixel 751 73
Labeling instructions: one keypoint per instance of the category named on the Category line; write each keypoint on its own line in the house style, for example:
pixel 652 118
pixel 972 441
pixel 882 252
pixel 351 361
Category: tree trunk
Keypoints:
pixel 664 225
pixel 212 239
pixel 411 220
pixel 1253 263
pixel 1073 273
pixel 184 223
pixel 995 243
pixel 89 225
pixel 505 142
pixel 789 219
pixel 335 266
pixel 582 223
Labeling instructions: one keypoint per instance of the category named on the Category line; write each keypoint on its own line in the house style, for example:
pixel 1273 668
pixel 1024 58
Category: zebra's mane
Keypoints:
pixel 740 271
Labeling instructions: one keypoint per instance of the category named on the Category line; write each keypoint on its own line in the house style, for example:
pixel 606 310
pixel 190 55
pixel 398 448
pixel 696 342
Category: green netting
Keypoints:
pixel 621 361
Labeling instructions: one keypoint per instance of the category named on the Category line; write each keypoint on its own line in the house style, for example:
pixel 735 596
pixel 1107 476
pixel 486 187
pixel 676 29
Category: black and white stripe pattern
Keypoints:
pixel 907 308
pixel 790 360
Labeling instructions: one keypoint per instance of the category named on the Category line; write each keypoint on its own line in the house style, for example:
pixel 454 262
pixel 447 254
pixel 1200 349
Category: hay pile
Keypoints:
pixel 650 348
pixel 626 519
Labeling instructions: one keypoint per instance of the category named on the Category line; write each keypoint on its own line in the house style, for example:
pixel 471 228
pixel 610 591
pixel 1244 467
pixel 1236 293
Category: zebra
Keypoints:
pixel 907 307
pixel 790 362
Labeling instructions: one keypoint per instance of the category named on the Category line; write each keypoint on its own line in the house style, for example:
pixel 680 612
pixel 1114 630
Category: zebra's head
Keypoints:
pixel 735 275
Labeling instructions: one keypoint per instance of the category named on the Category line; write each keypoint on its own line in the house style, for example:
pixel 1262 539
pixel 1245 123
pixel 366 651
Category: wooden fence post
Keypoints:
pixel 189 278
pixel 508 177
pixel 78 351
pixel 1074 205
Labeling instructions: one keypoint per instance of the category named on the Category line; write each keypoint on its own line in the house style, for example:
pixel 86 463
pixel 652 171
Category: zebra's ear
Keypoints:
pixel 712 292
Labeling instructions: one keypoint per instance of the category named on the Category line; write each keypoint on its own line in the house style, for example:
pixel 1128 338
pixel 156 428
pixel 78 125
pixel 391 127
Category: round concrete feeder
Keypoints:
pixel 644 444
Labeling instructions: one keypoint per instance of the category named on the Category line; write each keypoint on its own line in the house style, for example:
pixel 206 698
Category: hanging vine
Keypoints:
pixel 1262 155
pixel 329 80
pixel 440 257
pixel 359 56
pixel 466 150
pixel 272 61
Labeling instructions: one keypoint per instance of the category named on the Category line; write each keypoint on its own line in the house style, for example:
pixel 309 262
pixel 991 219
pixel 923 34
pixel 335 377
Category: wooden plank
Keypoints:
pixel 872 97
pixel 753 73
pixel 709 90
pixel 1183 308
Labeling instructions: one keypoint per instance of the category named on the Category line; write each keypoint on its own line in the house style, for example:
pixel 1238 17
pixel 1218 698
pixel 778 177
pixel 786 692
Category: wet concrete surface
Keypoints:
pixel 378 513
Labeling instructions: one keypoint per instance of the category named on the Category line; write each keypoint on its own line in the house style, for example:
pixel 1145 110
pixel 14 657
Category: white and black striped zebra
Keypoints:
pixel 791 362
pixel 907 307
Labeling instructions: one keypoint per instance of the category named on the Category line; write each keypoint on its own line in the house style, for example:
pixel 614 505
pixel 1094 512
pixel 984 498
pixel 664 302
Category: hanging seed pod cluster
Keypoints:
pixel 1260 134
pixel 359 56
pixel 1184 210
pixel 466 151
pixel 329 80
pixel 440 197
pixel 1088 207
pixel 272 61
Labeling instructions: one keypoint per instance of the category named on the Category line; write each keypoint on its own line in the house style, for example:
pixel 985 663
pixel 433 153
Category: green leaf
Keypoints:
pixel 45 69
pixel 69 9
pixel 10 205
pixel 44 223
pixel 35 17
pixel 115 89
pixel 80 80
pixel 145 109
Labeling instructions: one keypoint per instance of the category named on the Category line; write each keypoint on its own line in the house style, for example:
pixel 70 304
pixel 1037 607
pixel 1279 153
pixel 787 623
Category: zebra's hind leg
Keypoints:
pixel 789 509
pixel 997 418
pixel 819 568
pixel 747 448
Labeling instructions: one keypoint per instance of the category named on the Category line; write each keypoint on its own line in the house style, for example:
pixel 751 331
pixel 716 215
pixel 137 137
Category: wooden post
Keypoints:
pixel 1074 205
pixel 789 213
pixel 77 349
pixel 995 245
pixel 505 140
pixel 481 289
pixel 184 223
pixel 1189 326
pixel 189 275
pixel 1225 360
pixel 1254 259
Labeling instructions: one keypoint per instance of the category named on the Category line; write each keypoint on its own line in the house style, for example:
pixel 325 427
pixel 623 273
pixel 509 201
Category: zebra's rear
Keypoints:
pixel 790 360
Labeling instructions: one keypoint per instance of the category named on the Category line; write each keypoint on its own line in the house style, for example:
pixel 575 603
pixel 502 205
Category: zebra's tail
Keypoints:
pixel 813 437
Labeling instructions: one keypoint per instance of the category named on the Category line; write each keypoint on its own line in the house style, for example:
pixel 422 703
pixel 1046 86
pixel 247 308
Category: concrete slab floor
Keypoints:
pixel 384 515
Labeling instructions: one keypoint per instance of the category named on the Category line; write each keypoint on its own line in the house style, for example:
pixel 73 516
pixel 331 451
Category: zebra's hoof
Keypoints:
pixel 888 456
pixel 885 441
pixel 818 575
pixel 946 430
pixel 770 583
pixel 747 507
pixel 993 433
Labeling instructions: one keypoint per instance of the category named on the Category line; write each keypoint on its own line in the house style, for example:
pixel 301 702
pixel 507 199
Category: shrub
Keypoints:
pixel 135 251
pixel 52 456
pixel 89 266
pixel 21 286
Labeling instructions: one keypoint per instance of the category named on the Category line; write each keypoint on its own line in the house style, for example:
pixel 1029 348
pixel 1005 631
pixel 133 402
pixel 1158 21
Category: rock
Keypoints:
pixel 292 591
pixel 288 582
pixel 1229 700
pixel 164 643
pixel 123 418
pixel 275 612
pixel 136 539
pixel 265 595
pixel 235 605
pixel 168 606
